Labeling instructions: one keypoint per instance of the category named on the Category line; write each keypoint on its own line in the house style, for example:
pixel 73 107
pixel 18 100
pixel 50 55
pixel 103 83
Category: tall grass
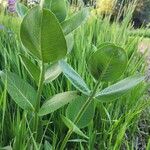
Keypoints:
pixel 116 125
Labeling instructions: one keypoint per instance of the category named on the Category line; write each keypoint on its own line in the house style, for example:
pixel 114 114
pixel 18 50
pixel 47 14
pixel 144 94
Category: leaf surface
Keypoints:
pixel 42 35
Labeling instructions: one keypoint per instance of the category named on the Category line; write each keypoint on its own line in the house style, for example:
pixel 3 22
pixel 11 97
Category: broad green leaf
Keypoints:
pixel 32 69
pixel 57 101
pixel 42 35
pixel 75 21
pixel 73 127
pixel 70 42
pixel 116 90
pixel 107 63
pixel 21 9
pixel 74 77
pixel 20 91
pixel 74 108
pixel 58 7
pixel 52 72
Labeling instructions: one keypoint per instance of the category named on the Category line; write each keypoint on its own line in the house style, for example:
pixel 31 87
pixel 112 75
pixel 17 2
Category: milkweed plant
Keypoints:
pixel 45 32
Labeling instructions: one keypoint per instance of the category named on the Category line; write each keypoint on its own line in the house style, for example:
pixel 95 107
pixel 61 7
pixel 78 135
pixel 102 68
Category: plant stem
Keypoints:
pixel 80 114
pixel 70 131
pixel 38 99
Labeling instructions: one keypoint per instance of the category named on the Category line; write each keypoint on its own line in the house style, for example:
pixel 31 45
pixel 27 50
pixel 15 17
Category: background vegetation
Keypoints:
pixel 120 124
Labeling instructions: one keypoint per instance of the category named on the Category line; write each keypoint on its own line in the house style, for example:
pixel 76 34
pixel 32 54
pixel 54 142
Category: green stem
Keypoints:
pixel 80 114
pixel 85 106
pixel 38 99
pixel 70 131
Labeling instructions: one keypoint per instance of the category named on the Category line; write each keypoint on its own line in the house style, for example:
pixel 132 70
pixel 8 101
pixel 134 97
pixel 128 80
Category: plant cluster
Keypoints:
pixel 47 37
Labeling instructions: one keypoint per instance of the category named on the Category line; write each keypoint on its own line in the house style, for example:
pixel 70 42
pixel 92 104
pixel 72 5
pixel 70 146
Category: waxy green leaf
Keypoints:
pixel 74 78
pixel 75 21
pixel 57 101
pixel 58 7
pixel 20 91
pixel 21 9
pixel 107 63
pixel 75 106
pixel 52 72
pixel 118 89
pixel 42 35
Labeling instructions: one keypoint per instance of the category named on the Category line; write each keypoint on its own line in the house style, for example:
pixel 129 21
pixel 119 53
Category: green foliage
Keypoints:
pixel 70 42
pixel 75 106
pixel 52 72
pixel 57 101
pixel 73 127
pixel 105 124
pixel 59 8
pixel 75 21
pixel 39 39
pixel 107 59
pixel 118 89
pixel 21 9
pixel 74 78
pixel 32 69
pixel 20 91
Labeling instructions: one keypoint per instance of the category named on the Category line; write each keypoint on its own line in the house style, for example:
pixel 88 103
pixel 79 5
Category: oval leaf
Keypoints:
pixel 74 77
pixel 58 7
pixel 42 35
pixel 75 21
pixel 104 63
pixel 20 91
pixel 73 127
pixel 74 108
pixel 57 102
pixel 116 90
pixel 52 72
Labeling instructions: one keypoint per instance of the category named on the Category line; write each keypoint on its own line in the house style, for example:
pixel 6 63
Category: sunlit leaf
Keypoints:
pixel 107 63
pixel 20 91
pixel 75 21
pixel 74 77
pixel 74 108
pixel 21 9
pixel 52 72
pixel 118 89
pixel 57 101
pixel 58 7
pixel 42 35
